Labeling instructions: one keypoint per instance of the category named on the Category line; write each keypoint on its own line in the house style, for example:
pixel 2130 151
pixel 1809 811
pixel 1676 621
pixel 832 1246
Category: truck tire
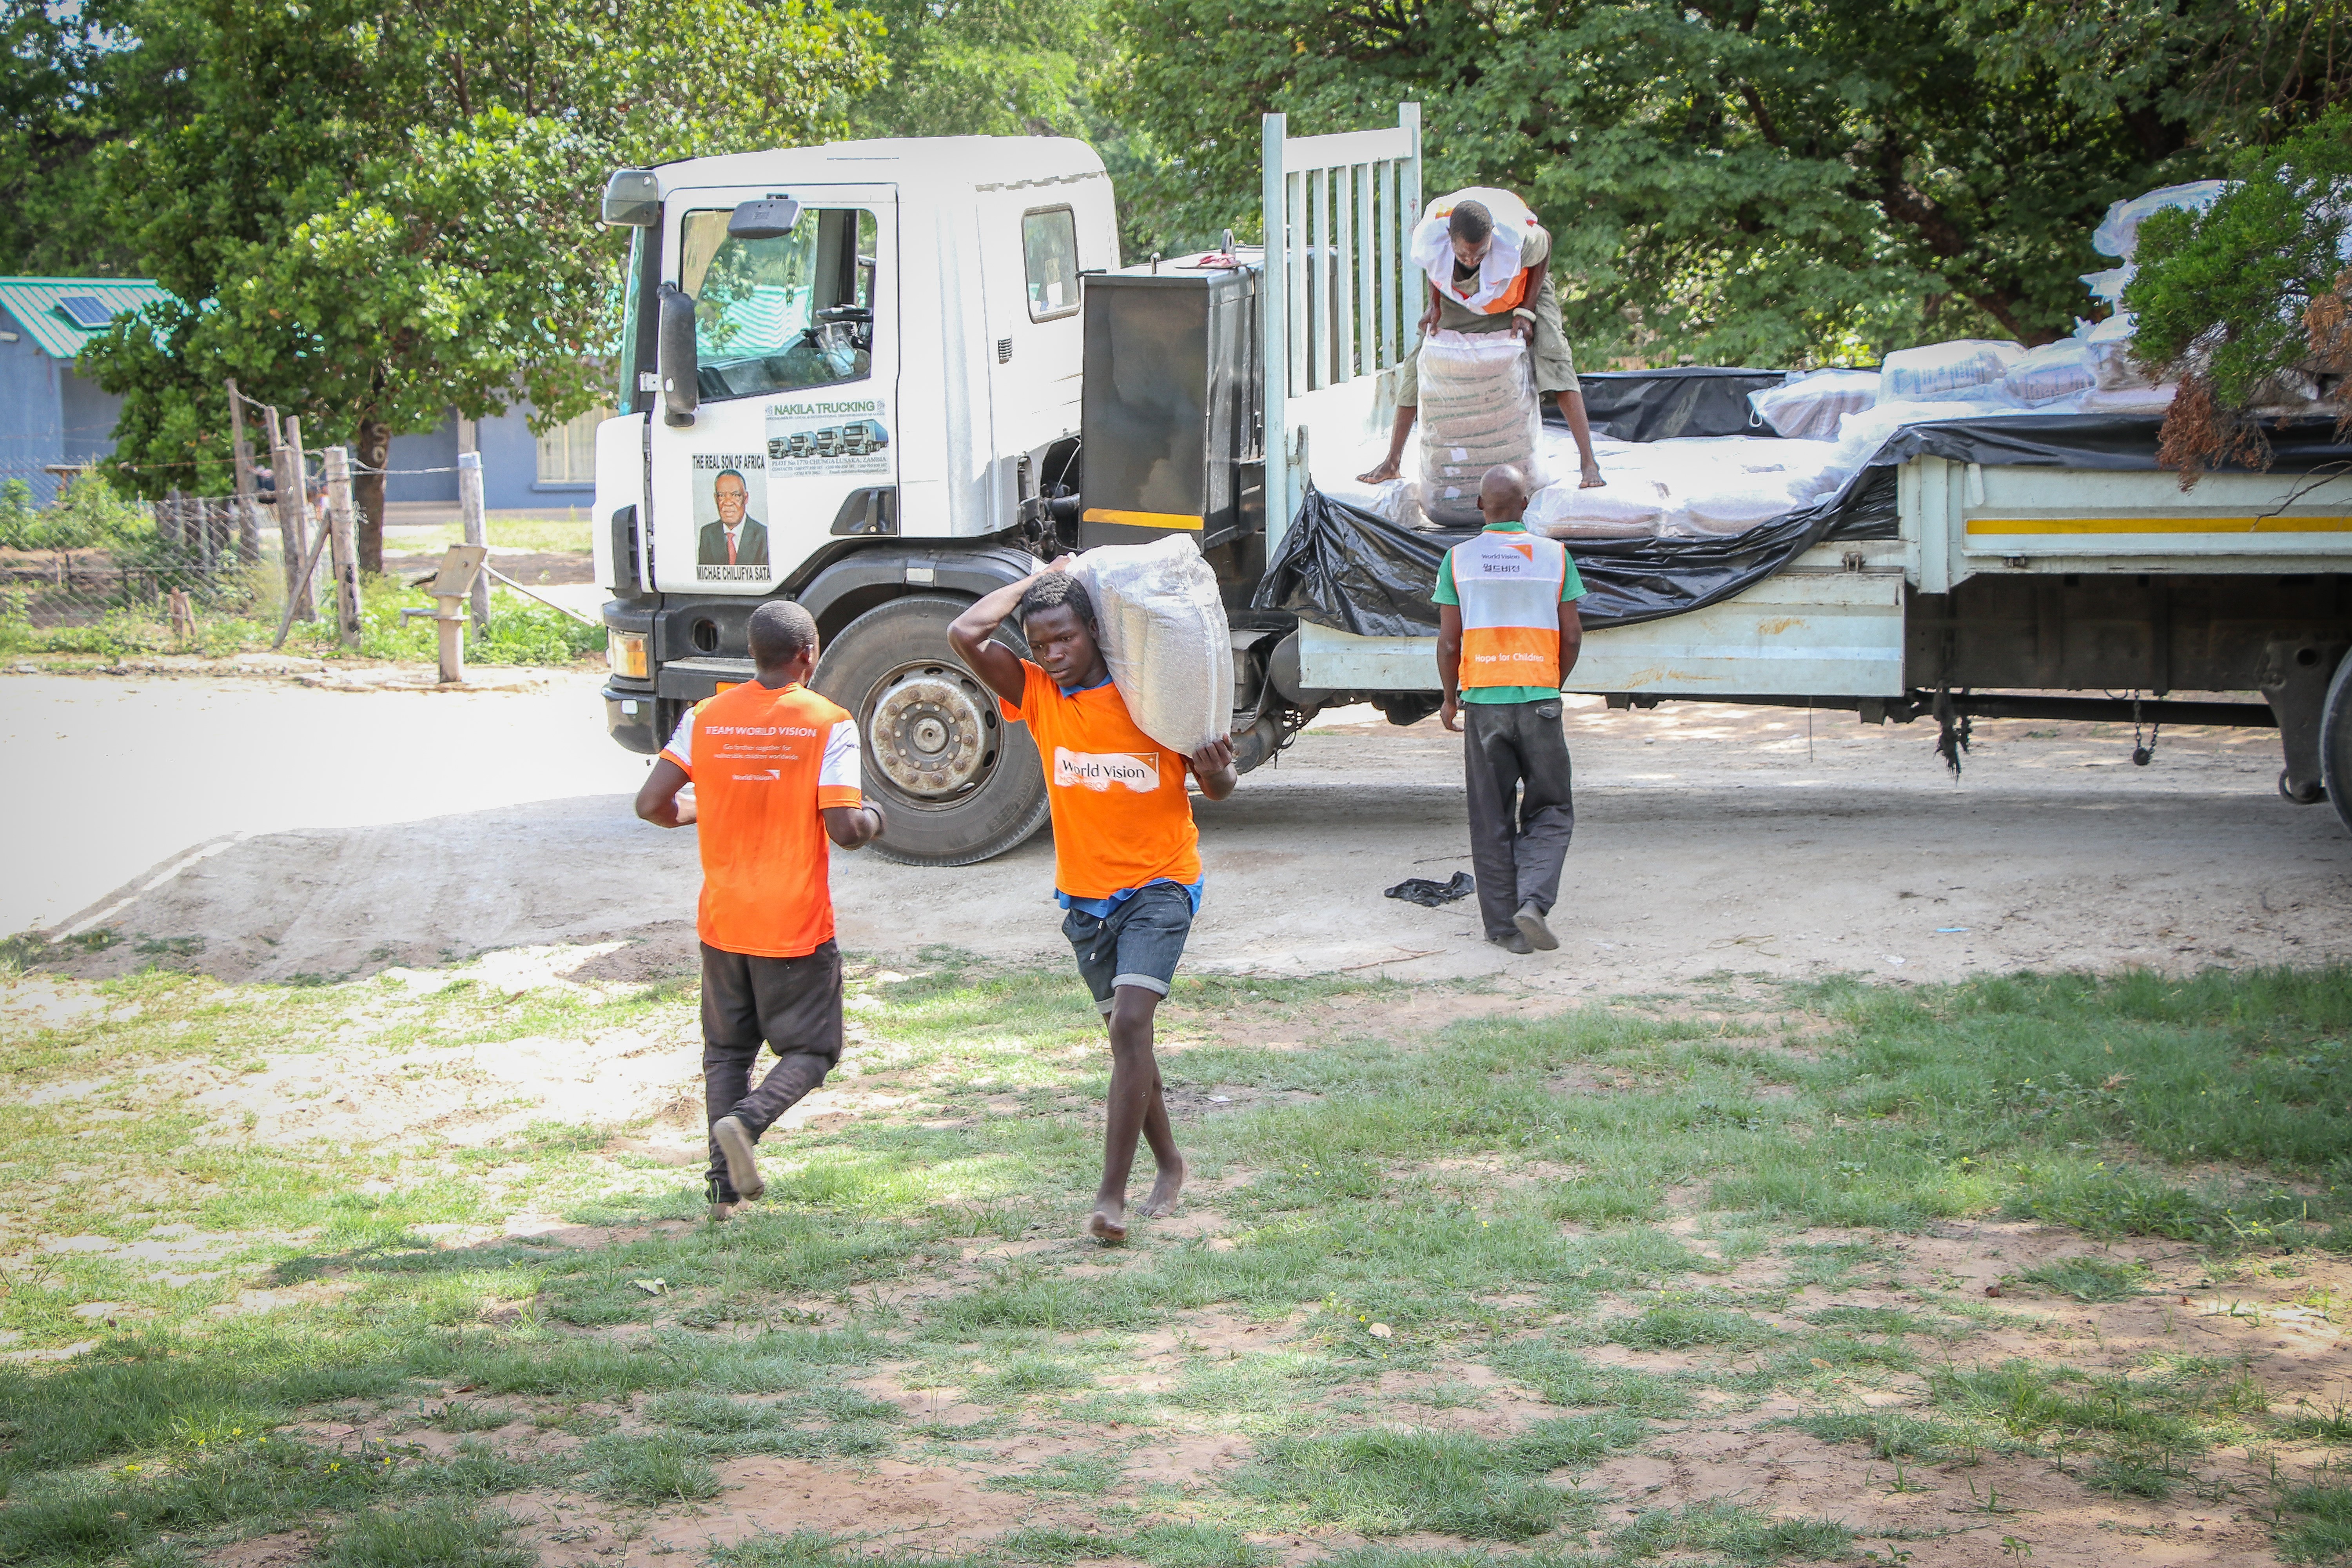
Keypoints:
pixel 2335 741
pixel 956 782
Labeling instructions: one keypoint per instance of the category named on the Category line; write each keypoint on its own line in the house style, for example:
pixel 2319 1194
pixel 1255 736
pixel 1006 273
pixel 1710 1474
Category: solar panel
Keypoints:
pixel 86 311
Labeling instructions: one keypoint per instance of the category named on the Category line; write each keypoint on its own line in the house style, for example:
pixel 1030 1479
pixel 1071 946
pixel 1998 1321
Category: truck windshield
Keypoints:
pixel 783 314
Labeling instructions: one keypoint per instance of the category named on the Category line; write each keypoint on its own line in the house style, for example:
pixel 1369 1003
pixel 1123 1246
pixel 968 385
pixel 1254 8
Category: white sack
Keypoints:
pixel 1965 367
pixel 1163 633
pixel 1391 501
pixel 1808 407
pixel 1627 507
pixel 1478 409
pixel 2141 399
pixel 2053 371
pixel 2118 234
pixel 2109 344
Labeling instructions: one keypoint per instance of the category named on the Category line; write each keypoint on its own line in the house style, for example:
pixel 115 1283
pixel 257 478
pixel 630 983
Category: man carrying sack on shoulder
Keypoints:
pixel 1507 635
pixel 1488 264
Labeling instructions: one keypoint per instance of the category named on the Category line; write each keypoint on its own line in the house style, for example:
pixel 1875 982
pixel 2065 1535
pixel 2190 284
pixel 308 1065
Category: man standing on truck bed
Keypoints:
pixel 775 773
pixel 1127 858
pixel 1487 265
pixel 1507 635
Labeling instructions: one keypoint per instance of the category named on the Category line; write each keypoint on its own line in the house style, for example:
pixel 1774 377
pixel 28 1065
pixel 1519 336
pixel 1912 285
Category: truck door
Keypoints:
pixel 796 337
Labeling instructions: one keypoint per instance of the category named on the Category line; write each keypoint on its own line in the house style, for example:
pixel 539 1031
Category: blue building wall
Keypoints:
pixel 32 417
pixel 510 480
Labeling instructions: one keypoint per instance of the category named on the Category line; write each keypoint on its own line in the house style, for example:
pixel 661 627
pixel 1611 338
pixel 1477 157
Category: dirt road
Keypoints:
pixel 349 831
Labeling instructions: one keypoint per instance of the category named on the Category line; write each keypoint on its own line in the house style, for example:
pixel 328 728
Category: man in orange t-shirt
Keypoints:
pixel 775 774
pixel 1127 858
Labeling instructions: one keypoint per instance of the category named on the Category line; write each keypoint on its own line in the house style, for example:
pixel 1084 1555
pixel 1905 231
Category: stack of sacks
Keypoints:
pixel 1477 410
pixel 2051 372
pixel 1808 407
pixel 1164 636
pixel 1967 367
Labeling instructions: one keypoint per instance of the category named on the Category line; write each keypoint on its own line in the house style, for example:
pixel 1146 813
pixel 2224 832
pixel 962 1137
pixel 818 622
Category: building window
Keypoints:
pixel 1049 252
pixel 567 454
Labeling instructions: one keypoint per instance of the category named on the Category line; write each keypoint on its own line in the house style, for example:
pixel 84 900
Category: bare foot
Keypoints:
pixel 1592 479
pixel 1108 1224
pixel 1165 1192
pixel 1383 474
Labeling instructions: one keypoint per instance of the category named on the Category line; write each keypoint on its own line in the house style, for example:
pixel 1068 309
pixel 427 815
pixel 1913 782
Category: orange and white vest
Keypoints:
pixel 1501 284
pixel 1509 584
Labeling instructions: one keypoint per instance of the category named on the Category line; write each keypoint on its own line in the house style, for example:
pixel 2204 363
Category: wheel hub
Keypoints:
pixel 928 735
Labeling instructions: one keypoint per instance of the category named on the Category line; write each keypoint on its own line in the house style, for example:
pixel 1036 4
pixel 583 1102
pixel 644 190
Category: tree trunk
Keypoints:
pixel 375 443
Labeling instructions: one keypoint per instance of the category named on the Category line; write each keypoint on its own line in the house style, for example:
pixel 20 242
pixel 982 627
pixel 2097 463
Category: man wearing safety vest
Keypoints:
pixel 1507 635
pixel 1488 264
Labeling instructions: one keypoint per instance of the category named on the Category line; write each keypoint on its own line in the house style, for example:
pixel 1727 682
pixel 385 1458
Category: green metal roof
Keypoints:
pixel 33 302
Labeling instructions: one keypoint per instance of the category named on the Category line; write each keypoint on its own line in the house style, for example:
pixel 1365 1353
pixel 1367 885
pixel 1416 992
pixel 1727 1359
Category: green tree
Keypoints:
pixel 2238 301
pixel 369 213
pixel 1776 181
pixel 1011 67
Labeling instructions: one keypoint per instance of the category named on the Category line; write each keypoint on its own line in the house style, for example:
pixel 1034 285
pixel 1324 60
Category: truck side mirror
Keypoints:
pixel 674 354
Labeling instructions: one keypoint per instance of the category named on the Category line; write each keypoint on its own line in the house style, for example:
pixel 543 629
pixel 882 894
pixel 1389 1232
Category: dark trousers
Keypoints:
pixel 792 1004
pixel 1522 812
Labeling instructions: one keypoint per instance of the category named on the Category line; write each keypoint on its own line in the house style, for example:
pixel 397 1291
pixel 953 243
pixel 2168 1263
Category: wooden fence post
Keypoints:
pixel 167 516
pixel 248 513
pixel 469 506
pixel 344 543
pixel 293 513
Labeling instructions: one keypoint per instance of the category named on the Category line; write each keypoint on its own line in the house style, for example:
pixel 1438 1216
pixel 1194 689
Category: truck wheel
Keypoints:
pixel 2335 741
pixel 956 781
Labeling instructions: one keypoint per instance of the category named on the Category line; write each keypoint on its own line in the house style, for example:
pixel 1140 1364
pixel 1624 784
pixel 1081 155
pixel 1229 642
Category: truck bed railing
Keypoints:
pixel 1338 306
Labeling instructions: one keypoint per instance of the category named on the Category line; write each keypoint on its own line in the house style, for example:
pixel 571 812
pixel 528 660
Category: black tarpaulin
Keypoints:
pixel 1659 405
pixel 1342 567
pixel 2111 441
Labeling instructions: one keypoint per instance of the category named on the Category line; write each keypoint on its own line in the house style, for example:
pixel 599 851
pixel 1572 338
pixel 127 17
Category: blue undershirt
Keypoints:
pixel 1101 908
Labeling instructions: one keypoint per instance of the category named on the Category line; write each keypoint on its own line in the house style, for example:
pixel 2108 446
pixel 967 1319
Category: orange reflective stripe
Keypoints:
pixel 1509 300
pixel 1510 656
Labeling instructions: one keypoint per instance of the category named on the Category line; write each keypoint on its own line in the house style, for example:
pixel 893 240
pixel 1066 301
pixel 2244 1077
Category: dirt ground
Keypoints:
pixel 302 832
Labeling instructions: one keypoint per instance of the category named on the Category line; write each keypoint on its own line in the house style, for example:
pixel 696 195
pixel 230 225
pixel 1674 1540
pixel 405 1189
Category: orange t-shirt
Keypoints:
pixel 1121 818
pixel 765 764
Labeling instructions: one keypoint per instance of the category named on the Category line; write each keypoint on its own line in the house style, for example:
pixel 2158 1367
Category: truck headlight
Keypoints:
pixel 626 652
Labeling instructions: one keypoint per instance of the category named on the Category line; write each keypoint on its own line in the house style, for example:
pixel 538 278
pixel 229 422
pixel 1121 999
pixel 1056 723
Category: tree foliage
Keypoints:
pixel 2240 300
pixel 1774 181
pixel 369 213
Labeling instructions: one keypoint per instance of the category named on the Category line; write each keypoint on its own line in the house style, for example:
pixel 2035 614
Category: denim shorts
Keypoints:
pixel 1139 944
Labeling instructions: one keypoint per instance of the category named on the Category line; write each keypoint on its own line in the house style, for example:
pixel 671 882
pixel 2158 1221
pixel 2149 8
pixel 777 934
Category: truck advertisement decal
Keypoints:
pixel 818 439
pixel 730 544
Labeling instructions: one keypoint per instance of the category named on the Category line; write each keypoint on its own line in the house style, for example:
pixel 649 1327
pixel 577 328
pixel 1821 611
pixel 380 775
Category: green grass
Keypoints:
pixel 1392 1483
pixel 1734 1533
pixel 439 1534
pixel 1435 1182
pixel 2089 1279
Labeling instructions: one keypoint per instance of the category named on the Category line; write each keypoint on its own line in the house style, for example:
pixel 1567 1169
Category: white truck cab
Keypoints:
pixel 873 347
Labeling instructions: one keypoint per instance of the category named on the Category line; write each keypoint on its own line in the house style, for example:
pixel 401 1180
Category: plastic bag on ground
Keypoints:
pixel 1164 635
pixel 1964 367
pixel 1478 409
pixel 2118 233
pixel 1808 407
pixel 2053 371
